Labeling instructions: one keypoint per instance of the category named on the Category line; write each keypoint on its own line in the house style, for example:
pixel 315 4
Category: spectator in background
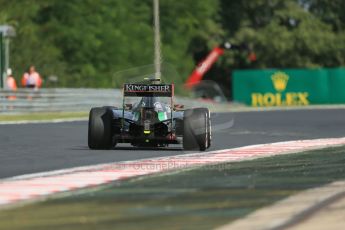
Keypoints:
pixel 11 85
pixel 32 79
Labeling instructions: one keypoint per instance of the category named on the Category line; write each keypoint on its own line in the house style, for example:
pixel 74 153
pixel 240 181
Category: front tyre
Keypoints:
pixel 100 128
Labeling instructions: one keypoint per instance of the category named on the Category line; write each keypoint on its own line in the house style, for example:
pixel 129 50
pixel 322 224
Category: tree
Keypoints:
pixel 29 46
pixel 86 42
pixel 286 33
pixel 98 38
pixel 330 12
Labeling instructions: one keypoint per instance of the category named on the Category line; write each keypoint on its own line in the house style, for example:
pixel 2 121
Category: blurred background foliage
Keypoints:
pixel 87 42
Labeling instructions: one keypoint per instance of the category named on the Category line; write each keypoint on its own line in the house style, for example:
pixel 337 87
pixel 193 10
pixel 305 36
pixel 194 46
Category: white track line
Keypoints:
pixel 232 109
pixel 38 185
pixel 292 211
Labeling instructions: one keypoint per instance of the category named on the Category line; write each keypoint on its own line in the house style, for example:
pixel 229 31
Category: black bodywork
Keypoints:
pixel 149 122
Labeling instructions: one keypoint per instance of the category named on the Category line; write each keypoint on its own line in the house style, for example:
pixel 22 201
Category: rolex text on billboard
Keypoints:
pixel 279 99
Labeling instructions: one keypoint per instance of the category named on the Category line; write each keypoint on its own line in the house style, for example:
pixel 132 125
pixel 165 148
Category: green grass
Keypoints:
pixel 43 116
pixel 197 199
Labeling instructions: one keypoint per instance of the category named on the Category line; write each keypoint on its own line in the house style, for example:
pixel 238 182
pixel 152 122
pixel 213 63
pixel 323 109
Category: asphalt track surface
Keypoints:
pixel 32 148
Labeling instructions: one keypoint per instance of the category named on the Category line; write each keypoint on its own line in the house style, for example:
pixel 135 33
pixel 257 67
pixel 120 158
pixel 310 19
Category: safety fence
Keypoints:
pixel 69 100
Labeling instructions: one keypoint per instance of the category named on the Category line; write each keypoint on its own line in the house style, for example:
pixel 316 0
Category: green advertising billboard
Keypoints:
pixel 1 60
pixel 289 87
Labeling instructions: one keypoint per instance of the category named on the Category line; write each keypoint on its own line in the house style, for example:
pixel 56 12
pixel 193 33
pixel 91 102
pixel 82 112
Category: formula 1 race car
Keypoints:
pixel 149 122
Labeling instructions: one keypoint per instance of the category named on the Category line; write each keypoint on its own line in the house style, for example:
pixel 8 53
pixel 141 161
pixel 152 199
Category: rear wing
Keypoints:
pixel 144 90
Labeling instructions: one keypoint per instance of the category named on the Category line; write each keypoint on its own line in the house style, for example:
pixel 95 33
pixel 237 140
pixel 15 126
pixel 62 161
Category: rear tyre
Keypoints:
pixel 100 128
pixel 196 129
pixel 209 131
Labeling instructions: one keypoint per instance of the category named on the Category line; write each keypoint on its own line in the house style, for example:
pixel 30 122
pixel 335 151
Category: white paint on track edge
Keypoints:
pixel 292 211
pixel 231 109
pixel 35 186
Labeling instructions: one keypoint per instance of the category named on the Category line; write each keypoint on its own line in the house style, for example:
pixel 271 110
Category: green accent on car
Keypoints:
pixel 136 116
pixel 162 116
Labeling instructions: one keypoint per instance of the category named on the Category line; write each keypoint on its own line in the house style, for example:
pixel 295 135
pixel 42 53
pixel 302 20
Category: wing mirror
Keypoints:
pixel 178 107
pixel 128 106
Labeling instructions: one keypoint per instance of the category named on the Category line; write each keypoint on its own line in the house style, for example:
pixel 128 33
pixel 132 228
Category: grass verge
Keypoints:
pixel 44 116
pixel 201 198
